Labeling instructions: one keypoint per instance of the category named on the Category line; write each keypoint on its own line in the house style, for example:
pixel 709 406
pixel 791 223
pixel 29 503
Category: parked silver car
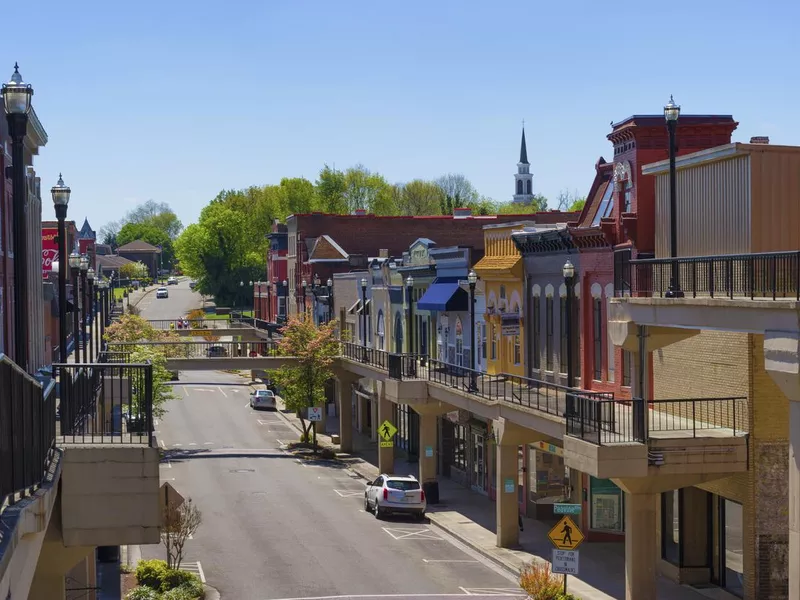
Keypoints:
pixel 395 494
pixel 263 399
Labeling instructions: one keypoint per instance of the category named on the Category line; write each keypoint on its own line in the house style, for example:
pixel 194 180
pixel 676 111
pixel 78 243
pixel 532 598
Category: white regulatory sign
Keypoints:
pixel 315 413
pixel 565 561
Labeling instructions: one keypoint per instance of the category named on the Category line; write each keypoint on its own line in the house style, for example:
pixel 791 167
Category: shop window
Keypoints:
pixel 548 346
pixel 607 505
pixel 517 352
pixel 537 331
pixel 562 325
pixel 597 310
pixel 627 368
pixel 670 526
pixel 732 547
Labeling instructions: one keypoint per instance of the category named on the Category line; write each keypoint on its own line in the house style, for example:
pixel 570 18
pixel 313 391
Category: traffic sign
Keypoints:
pixel 315 413
pixel 387 430
pixel 388 444
pixel 565 561
pixel 566 509
pixel 566 535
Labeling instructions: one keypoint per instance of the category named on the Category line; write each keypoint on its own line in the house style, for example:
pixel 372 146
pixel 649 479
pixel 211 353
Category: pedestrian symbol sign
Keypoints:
pixel 387 431
pixel 566 535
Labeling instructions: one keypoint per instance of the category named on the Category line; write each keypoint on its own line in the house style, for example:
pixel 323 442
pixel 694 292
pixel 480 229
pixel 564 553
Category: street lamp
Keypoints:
pixel 304 284
pixel 364 316
pixel 410 327
pixel 672 112
pixel 84 269
pixel 285 299
pixel 75 267
pixel 102 287
pixel 17 104
pixel 330 299
pixel 90 311
pixel 472 279
pixel 60 193
pixel 569 278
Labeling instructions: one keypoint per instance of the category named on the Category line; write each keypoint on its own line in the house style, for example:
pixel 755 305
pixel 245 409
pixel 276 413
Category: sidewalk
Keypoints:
pixel 470 517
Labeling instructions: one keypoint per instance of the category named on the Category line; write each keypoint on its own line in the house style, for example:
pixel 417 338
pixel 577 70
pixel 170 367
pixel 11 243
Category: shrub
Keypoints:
pixel 327 454
pixel 175 578
pixel 142 593
pixel 179 593
pixel 540 583
pixel 151 573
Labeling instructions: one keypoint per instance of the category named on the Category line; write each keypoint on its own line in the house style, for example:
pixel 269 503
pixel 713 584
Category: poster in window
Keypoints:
pixel 606 512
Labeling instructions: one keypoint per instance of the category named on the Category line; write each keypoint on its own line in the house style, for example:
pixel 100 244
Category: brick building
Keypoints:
pixel 139 251
pixel 270 297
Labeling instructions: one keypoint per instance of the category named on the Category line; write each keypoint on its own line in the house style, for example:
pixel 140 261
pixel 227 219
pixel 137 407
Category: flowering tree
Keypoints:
pixel 303 383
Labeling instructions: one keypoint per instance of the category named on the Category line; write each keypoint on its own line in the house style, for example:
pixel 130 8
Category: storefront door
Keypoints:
pixel 478 467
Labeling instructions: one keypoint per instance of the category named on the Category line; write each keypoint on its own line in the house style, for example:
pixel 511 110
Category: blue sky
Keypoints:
pixel 176 100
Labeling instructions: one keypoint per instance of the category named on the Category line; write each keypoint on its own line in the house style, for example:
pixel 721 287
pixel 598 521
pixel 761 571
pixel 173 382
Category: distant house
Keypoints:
pixel 139 251
pixel 108 265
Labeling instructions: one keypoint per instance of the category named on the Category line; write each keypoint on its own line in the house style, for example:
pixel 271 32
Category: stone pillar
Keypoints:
pixel 507 503
pixel 694 536
pixel 344 392
pixel 385 412
pixel 427 440
pixel 640 546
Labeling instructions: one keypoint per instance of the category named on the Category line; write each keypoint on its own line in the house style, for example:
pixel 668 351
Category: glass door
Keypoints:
pixel 478 468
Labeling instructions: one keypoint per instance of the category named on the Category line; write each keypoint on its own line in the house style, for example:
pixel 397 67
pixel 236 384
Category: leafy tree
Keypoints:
pixel 366 190
pixel 420 198
pixel 133 270
pixel 332 187
pixel 537 204
pixel 151 234
pixel 179 523
pixel 303 383
pixel 131 329
pixel 577 204
pixel 161 377
pixel 567 199
pixel 299 195
pixel 457 192
pixel 108 234
pixel 157 214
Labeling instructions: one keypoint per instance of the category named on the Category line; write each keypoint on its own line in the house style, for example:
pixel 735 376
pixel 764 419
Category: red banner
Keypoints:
pixel 49 250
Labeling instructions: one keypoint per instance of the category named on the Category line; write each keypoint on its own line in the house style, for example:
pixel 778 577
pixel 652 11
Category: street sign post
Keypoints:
pixel 565 562
pixel 566 537
pixel 315 413
pixel 566 509
pixel 386 431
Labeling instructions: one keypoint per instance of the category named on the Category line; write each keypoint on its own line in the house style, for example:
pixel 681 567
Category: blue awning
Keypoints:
pixel 444 295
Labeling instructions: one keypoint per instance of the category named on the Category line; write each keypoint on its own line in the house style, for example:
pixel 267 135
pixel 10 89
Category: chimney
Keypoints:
pixel 462 213
pixel 383 253
pixel 360 212
pixel 760 139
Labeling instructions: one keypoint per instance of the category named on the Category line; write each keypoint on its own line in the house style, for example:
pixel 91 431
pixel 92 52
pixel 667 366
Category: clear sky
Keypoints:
pixel 175 100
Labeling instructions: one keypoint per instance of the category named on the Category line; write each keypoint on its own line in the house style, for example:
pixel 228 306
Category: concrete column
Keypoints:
pixel 507 505
pixel 385 412
pixel 640 546
pixel 344 392
pixel 427 439
pixel 79 580
pixel 694 536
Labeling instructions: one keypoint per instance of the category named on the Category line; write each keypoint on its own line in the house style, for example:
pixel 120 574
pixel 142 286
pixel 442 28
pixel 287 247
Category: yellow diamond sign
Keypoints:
pixel 566 535
pixel 387 430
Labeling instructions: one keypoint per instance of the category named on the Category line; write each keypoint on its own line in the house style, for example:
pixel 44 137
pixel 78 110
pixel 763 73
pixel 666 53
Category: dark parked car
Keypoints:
pixel 217 352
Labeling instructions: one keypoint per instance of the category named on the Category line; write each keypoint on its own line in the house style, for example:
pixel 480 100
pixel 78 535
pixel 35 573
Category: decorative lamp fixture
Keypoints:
pixel 84 262
pixel 568 270
pixel 75 260
pixel 472 278
pixel 409 281
pixel 90 274
pixel 17 94
pixel 672 111
pixel 60 192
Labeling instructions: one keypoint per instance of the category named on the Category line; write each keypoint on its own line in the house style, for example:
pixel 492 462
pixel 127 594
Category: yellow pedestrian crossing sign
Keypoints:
pixel 387 431
pixel 566 535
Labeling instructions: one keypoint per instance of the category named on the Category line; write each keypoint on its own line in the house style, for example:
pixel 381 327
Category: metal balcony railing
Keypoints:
pixel 604 422
pixel 769 275
pixel 364 354
pixel 27 432
pixel 105 403
pixel 205 349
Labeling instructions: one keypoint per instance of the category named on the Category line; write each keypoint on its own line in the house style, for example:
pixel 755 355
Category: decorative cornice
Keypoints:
pixel 541 242
pixel 586 238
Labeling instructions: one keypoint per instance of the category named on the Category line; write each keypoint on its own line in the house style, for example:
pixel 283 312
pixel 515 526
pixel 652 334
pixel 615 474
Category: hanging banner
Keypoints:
pixel 49 250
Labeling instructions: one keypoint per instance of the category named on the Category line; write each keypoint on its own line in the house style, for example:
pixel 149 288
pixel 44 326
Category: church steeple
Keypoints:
pixel 523 150
pixel 523 180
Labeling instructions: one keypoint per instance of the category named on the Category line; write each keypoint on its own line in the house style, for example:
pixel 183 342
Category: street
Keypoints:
pixel 274 528
pixel 181 300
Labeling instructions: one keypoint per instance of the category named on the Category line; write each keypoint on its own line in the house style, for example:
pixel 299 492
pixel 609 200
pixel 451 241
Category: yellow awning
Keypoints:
pixel 497 264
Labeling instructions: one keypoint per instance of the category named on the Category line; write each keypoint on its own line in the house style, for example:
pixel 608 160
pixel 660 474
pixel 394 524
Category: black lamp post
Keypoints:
pixel 102 288
pixel 569 278
pixel 84 268
pixel 409 288
pixel 60 193
pixel 316 290
pixel 671 113
pixel 17 104
pixel 364 316
pixel 472 279
pixel 304 285
pixel 330 299
pixel 90 310
pixel 75 268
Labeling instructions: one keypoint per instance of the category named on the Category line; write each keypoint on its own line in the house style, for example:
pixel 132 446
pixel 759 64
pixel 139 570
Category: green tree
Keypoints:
pixel 457 192
pixel 162 392
pixel 537 204
pixel 420 198
pixel 366 190
pixel 299 194
pixel 157 214
pixel 133 270
pixel 331 187
pixel 315 348
pixel 577 204
pixel 151 234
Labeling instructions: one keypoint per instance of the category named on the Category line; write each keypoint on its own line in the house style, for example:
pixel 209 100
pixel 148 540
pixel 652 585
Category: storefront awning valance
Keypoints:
pixel 444 295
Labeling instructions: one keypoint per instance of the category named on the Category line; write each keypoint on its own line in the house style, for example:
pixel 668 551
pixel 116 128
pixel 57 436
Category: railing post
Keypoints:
pixel 694 421
pixel 148 399
pixel 639 420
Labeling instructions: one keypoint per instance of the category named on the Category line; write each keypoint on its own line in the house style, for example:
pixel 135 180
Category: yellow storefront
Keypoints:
pixel 501 270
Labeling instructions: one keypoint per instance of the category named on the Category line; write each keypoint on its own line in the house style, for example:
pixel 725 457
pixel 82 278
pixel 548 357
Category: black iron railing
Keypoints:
pixel 27 432
pixel 406 366
pixel 206 349
pixel 108 403
pixel 770 275
pixel 605 422
pixel 179 324
pixel 364 354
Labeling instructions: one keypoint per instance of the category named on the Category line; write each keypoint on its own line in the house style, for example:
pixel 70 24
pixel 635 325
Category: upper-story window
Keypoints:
pixel 606 205
pixel 519 186
pixel 623 182
pixel 529 187
pixel 502 303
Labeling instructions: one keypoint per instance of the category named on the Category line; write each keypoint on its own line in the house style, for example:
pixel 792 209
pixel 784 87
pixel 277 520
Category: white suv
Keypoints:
pixel 162 292
pixel 395 494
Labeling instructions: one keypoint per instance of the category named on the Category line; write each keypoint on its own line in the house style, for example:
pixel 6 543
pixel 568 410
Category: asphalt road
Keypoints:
pixel 274 528
pixel 181 300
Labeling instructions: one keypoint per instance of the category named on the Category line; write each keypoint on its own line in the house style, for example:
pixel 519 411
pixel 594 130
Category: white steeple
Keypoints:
pixel 523 180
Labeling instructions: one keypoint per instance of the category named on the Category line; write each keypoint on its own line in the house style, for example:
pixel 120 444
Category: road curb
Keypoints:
pixel 211 593
pixel 142 297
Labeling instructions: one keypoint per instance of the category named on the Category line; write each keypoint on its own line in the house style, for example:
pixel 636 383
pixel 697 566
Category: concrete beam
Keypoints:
pixel 782 361
pixel 237 363
pixel 625 335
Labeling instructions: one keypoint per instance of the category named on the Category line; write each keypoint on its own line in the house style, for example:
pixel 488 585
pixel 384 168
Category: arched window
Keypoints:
pixel 494 342
pixel 519 186
pixel 502 305
pixel 398 333
pixel 379 330
pixel 530 187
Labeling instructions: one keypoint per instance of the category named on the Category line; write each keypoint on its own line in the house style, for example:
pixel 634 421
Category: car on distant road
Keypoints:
pixel 263 399
pixel 192 285
pixel 172 281
pixel 162 292
pixel 396 494
pixel 217 352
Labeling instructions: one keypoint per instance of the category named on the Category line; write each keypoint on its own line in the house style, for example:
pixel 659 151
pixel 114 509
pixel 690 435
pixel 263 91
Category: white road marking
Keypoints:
pixel 402 533
pixel 193 443
pixel 221 391
pixel 167 479
pixel 202 575
pixel 349 493
pixel 208 443
pixel 155 422
pixel 247 405
pixel 445 560
pixel 348 596
pixel 166 464
pixel 515 592
pixel 176 444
